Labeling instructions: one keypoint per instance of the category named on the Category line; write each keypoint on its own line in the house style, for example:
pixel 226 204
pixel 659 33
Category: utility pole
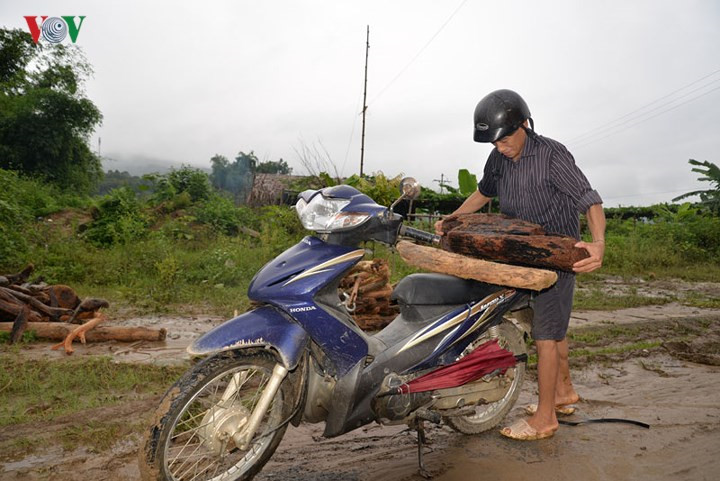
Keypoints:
pixel 442 182
pixel 362 142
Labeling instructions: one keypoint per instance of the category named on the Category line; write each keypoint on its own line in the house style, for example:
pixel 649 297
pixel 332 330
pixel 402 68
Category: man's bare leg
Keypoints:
pixel 565 391
pixel 544 419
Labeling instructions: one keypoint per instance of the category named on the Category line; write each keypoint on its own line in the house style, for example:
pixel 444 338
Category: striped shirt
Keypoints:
pixel 544 186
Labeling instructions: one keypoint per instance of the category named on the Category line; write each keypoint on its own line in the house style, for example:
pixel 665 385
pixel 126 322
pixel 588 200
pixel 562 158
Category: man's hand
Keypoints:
pixel 594 262
pixel 438 227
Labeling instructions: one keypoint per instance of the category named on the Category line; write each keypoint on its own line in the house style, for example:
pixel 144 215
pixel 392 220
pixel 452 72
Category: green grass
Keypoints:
pixel 42 390
pixel 96 436
pixel 596 336
pixel 27 337
pixel 589 354
pixel 694 299
pixel 210 272
pixel 598 300
pixel 621 349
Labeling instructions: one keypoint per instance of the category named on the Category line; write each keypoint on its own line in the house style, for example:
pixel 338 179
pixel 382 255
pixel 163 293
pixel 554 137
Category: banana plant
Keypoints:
pixel 710 198
pixel 467 182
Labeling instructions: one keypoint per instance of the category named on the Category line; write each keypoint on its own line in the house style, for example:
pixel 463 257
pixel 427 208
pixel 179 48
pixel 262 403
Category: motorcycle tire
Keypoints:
pixel 189 438
pixel 487 416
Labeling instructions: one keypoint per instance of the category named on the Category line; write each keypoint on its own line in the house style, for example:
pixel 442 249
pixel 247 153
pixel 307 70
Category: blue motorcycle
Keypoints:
pixel 449 356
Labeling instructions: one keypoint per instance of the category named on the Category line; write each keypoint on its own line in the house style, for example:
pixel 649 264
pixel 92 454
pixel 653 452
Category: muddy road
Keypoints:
pixel 671 384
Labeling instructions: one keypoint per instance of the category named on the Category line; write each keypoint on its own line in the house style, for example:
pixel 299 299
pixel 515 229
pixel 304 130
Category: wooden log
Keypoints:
pixel 492 223
pixel 22 276
pixel 62 296
pixel 437 260
pixel 19 325
pixel 51 312
pixel 59 330
pixel 553 252
pixel 10 308
pixel 504 239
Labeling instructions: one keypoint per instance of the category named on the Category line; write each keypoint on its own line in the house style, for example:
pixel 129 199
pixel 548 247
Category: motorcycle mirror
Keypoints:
pixel 409 188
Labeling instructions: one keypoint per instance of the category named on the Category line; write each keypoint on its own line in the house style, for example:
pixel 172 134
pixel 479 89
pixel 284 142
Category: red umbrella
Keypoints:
pixel 483 360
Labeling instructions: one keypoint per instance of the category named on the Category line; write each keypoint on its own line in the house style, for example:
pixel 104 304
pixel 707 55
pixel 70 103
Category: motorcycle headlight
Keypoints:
pixel 325 215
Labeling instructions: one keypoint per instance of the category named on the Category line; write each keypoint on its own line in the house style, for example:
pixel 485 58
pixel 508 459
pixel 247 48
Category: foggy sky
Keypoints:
pixel 618 82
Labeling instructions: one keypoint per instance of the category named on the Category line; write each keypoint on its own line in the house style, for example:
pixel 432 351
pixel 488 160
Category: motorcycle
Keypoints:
pixel 450 356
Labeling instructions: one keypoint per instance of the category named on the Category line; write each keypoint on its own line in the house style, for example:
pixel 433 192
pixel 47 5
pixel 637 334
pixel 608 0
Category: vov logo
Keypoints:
pixel 54 29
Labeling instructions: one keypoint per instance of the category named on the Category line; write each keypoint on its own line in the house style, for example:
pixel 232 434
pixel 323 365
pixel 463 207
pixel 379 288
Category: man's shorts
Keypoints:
pixel 552 307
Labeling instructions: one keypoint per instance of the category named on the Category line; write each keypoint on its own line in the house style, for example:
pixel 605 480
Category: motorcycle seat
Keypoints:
pixel 439 289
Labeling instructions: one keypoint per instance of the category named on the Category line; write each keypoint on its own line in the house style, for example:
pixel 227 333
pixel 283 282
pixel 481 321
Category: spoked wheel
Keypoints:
pixel 200 421
pixel 487 416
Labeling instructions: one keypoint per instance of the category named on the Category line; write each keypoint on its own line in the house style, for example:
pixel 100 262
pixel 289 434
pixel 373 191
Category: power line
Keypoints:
pixel 402 71
pixel 612 122
pixel 640 116
pixel 592 141
pixel 635 117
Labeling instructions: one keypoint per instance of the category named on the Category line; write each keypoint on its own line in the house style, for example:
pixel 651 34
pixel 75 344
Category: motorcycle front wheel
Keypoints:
pixel 487 416
pixel 191 438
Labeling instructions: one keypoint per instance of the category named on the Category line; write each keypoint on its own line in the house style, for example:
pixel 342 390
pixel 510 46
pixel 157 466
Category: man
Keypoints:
pixel 535 179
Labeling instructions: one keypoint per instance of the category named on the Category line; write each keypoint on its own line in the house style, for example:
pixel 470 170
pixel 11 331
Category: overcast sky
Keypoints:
pixel 627 86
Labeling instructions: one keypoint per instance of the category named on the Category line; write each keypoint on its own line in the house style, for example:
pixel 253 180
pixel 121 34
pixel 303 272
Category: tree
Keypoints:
pixel 710 198
pixel 273 167
pixel 45 118
pixel 235 177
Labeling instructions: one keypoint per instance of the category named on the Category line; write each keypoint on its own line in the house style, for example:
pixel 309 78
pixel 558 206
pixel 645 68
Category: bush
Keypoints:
pixel 219 212
pixel 21 201
pixel 187 180
pixel 118 219
pixel 673 244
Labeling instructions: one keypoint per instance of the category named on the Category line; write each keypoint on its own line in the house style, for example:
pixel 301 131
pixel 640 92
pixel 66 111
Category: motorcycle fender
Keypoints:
pixel 265 327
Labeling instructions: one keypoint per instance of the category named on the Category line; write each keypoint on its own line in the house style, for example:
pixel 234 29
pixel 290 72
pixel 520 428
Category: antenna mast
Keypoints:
pixel 362 142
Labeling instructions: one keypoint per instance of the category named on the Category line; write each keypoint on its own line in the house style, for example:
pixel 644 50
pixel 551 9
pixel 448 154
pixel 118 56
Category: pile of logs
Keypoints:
pixel 498 250
pixel 56 312
pixel 368 289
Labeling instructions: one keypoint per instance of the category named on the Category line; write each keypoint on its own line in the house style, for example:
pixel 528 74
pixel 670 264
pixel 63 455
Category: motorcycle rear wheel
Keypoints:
pixel 189 438
pixel 487 416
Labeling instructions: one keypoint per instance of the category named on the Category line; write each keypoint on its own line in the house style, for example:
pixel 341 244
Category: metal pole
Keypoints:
pixel 362 143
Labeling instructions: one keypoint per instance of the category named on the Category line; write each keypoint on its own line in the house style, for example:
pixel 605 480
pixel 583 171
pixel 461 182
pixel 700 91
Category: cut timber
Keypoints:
pixel 367 287
pixel 437 260
pixel 504 239
pixel 58 331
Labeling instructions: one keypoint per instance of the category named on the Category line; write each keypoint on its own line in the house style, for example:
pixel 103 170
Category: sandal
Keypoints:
pixel 522 431
pixel 560 410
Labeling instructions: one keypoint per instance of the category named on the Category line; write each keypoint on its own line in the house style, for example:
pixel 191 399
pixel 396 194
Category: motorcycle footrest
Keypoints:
pixel 428 415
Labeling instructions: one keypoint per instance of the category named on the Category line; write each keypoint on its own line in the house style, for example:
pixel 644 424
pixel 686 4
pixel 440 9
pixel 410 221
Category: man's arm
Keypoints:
pixel 472 204
pixel 596 223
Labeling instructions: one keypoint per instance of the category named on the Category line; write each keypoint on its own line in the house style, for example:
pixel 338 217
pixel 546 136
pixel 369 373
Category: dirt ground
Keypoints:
pixel 674 388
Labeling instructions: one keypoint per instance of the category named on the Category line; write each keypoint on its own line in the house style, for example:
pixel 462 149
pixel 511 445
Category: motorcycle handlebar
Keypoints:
pixel 420 235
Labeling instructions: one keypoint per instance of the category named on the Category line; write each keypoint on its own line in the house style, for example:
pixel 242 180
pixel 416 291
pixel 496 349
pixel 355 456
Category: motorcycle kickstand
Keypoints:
pixel 420 428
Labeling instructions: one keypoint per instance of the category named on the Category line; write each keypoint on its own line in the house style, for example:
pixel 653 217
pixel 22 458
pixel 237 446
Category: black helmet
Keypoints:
pixel 498 114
